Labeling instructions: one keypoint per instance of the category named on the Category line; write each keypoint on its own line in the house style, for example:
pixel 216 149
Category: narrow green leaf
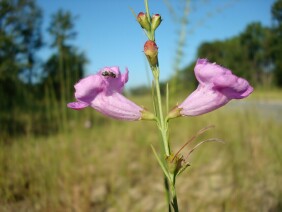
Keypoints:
pixel 161 164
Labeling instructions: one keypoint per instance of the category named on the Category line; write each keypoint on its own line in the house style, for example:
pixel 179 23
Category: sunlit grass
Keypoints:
pixel 110 166
pixel 263 94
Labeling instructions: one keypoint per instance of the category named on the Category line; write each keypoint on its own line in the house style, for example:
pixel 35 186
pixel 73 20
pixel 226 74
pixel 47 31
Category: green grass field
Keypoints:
pixel 109 165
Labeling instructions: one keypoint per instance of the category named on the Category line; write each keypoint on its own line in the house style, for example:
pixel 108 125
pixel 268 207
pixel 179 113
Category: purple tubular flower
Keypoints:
pixel 217 86
pixel 102 91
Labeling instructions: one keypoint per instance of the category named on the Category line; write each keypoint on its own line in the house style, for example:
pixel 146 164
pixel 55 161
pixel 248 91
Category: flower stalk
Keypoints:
pixel 162 124
pixel 151 52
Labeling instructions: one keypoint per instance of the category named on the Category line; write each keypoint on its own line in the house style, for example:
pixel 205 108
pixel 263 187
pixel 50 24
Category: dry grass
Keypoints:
pixel 110 166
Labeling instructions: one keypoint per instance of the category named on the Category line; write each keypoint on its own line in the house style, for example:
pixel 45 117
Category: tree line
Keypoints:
pixel 30 86
pixel 254 54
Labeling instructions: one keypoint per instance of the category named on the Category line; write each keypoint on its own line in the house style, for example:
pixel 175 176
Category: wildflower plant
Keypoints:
pixel 217 86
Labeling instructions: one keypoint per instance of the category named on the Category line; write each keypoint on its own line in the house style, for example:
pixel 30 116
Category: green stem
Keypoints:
pixel 147 10
pixel 174 200
pixel 169 181
pixel 151 33
pixel 163 127
pixel 166 183
pixel 162 123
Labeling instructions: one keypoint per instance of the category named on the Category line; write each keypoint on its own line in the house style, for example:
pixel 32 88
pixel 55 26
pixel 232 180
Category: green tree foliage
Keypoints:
pixel 255 54
pixel 73 63
pixel 66 65
pixel 277 40
pixel 26 84
pixel 20 39
pixel 255 44
pixel 248 55
pixel 20 36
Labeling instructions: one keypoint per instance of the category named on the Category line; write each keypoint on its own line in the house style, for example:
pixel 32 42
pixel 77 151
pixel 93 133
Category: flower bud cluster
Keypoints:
pixel 148 23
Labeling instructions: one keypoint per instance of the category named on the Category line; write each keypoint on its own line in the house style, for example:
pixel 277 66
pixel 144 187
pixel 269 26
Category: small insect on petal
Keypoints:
pixel 109 74
pixel 105 73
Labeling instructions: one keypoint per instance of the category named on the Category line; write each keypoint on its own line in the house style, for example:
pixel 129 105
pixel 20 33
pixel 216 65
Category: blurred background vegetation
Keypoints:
pixel 53 159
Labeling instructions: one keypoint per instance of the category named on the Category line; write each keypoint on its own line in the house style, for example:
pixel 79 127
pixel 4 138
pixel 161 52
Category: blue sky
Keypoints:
pixel 109 34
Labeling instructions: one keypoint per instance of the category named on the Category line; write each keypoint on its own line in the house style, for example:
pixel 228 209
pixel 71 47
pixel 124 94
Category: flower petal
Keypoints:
pixel 235 88
pixel 116 106
pixel 201 101
pixel 77 105
pixel 102 92
pixel 217 86
pixel 124 77
pixel 206 71
pixel 87 88
pixel 113 78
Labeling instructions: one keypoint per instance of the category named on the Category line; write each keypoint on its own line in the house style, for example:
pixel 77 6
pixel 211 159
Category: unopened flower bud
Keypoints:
pixel 143 21
pixel 151 52
pixel 156 21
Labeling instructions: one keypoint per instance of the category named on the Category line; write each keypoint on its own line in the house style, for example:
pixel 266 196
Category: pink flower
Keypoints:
pixel 102 91
pixel 217 86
